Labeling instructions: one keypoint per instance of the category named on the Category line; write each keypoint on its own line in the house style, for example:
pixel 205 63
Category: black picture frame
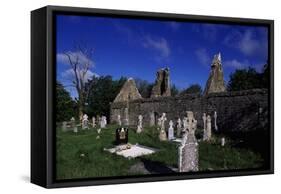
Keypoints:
pixel 42 95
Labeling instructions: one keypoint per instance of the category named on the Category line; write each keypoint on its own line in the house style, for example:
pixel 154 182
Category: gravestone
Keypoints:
pixel 85 122
pixel 208 132
pixel 171 130
pixel 139 127
pixel 119 120
pixel 204 118
pixel 185 124
pixel 103 122
pixel 121 135
pixel 162 134
pixel 152 119
pixel 179 127
pixel 188 154
pixel 222 141
pixel 215 120
pixel 93 122
pixel 126 120
pixel 64 126
pixel 191 122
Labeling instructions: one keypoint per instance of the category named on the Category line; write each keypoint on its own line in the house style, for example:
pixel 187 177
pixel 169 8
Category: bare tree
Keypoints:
pixel 81 63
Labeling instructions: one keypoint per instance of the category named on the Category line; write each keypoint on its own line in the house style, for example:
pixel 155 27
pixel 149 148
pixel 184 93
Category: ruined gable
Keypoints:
pixel 215 82
pixel 128 92
pixel 162 84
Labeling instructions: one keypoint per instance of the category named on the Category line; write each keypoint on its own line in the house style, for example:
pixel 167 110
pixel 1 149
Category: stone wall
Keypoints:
pixel 236 111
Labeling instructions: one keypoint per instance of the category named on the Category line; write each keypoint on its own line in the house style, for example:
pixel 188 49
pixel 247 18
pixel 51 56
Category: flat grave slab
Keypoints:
pixel 133 151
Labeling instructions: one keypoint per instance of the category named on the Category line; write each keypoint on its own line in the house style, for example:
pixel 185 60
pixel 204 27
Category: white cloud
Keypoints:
pixel 82 58
pixel 159 45
pixel 247 43
pixel 203 56
pixel 69 75
pixel 236 64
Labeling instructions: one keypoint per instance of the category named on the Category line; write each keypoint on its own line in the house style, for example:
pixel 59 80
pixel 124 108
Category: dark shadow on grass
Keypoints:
pixel 155 167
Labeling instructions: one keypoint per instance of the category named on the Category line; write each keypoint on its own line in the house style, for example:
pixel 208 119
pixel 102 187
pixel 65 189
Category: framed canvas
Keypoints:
pixel 126 96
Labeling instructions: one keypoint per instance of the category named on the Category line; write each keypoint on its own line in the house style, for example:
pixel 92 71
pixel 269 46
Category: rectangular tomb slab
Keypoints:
pixel 133 152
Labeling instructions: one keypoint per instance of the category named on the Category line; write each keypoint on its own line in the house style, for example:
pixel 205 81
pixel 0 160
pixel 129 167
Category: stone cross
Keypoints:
pixel 179 128
pixel 162 134
pixel 85 122
pixel 171 130
pixel 139 128
pixel 188 154
pixel 93 122
pixel 208 132
pixel 215 120
pixel 191 122
pixel 119 120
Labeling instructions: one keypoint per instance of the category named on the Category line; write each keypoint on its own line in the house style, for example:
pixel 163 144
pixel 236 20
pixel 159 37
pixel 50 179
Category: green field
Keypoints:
pixel 81 155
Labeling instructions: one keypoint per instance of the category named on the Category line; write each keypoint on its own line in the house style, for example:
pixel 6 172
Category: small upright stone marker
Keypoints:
pixel 64 126
pixel 85 122
pixel 179 127
pixel 208 132
pixel 162 134
pixel 119 120
pixel 171 130
pixel 215 120
pixel 93 122
pixel 139 127
pixel 222 141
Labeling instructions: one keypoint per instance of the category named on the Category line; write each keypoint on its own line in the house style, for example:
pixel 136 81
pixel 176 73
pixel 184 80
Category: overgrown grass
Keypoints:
pixel 81 155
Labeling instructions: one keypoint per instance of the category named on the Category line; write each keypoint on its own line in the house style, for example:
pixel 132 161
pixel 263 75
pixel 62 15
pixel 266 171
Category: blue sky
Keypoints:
pixel 138 48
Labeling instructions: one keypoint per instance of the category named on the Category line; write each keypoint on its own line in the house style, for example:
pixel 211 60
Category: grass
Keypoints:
pixel 81 155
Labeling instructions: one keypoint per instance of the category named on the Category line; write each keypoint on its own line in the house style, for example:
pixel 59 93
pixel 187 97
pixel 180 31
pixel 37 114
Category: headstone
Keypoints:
pixel 73 125
pixel 93 122
pixel 139 127
pixel 119 120
pixel 191 122
pixel 85 122
pixel 185 124
pixel 171 130
pixel 162 134
pixel 75 129
pixel 126 120
pixel 208 132
pixel 188 154
pixel 159 122
pixel 222 141
pixel 64 126
pixel 103 122
pixel 204 118
pixel 99 130
pixel 152 119
pixel 215 120
pixel 121 135
pixel 163 120
pixel 179 127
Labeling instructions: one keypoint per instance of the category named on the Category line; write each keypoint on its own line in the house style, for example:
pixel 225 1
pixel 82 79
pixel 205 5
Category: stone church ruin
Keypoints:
pixel 237 111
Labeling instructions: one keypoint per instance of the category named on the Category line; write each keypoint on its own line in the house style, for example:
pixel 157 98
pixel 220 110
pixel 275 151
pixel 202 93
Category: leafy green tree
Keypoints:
pixel 244 79
pixel 174 90
pixel 144 87
pixel 65 106
pixel 193 89
pixel 101 92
